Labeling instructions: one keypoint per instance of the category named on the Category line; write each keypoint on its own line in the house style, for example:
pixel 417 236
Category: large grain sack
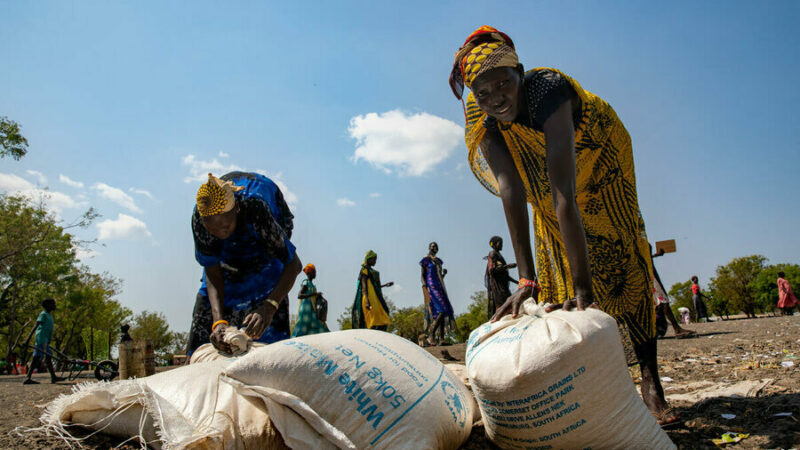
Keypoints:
pixel 181 408
pixel 356 389
pixel 558 380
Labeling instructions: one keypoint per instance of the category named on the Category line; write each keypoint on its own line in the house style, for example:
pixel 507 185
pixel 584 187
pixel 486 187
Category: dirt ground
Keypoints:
pixel 725 353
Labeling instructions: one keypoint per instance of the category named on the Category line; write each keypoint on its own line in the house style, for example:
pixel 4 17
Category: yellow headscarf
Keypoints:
pixel 216 196
pixel 485 49
pixel 308 268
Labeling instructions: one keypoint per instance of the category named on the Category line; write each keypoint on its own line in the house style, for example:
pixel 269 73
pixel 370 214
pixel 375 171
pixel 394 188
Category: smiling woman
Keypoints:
pixel 539 138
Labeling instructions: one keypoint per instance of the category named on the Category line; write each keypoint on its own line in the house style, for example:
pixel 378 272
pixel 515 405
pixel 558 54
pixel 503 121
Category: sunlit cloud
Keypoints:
pixel 144 192
pixel 69 182
pixel 410 144
pixel 54 201
pixel 199 169
pixel 345 202
pixel 42 180
pixel 117 196
pixel 124 227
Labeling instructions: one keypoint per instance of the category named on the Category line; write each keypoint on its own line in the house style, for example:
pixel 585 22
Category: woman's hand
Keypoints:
pixel 217 341
pixel 578 303
pixel 511 306
pixel 258 320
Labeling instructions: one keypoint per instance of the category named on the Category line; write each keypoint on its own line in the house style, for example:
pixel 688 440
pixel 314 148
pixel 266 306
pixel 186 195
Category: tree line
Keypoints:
pixel 745 285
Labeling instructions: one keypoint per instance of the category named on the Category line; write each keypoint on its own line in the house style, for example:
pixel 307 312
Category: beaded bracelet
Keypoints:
pixel 524 282
pixel 218 323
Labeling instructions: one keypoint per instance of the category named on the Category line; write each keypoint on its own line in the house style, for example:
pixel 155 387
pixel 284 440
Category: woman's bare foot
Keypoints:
pixel 653 396
pixel 682 333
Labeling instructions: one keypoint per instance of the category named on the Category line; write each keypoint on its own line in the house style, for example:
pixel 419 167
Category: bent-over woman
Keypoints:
pixel 538 138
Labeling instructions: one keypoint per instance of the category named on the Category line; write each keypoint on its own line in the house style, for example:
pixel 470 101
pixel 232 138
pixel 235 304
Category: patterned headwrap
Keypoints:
pixel 485 49
pixel 370 254
pixel 308 268
pixel 216 196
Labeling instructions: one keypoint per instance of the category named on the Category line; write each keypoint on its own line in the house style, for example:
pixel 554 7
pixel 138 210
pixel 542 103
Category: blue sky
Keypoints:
pixel 126 105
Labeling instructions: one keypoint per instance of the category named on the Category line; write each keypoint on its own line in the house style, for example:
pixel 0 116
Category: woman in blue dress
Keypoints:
pixel 242 226
pixel 441 311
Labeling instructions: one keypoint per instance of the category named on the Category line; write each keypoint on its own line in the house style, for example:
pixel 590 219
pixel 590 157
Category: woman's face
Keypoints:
pixel 372 261
pixel 498 245
pixel 221 225
pixel 497 93
pixel 312 274
pixel 433 248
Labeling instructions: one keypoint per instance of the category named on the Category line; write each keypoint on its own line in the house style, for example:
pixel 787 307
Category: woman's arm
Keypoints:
pixel 515 206
pixel 215 285
pixel 258 321
pixel 560 143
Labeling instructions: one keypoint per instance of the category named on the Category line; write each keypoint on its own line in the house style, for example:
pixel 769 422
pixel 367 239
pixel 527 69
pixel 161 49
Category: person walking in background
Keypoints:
pixel 441 310
pixel 308 320
pixel 242 228
pixel 539 138
pixel 700 310
pixel 786 298
pixel 369 307
pixel 663 310
pixel 496 277
pixel 44 334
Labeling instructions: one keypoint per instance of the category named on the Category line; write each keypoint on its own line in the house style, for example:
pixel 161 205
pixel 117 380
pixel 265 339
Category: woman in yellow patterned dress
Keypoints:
pixel 538 138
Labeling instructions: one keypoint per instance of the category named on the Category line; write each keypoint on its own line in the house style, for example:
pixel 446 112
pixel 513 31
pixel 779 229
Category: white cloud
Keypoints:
pixel 14 183
pixel 86 253
pixel 144 192
pixel 345 202
pixel 375 195
pixel 224 155
pixel 69 182
pixel 39 176
pixel 124 227
pixel 117 196
pixel 411 144
pixel 199 170
pixel 56 202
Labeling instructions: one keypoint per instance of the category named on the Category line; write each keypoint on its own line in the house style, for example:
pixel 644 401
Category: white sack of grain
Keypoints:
pixel 356 389
pixel 558 380
pixel 240 344
pixel 181 408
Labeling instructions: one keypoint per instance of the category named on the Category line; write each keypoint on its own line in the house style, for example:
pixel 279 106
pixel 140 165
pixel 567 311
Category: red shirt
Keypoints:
pixel 695 288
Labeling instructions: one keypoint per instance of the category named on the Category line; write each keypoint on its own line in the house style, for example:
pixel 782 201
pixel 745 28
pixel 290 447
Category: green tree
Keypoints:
pixel 409 322
pixel 153 326
pixel 473 318
pixel 718 305
pixel 37 260
pixel 12 142
pixel 344 321
pixel 734 282
pixel 88 304
pixel 680 295
pixel 177 343
pixel 766 287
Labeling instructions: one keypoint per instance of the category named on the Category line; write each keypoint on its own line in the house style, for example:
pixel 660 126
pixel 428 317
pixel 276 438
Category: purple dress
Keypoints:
pixel 440 304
